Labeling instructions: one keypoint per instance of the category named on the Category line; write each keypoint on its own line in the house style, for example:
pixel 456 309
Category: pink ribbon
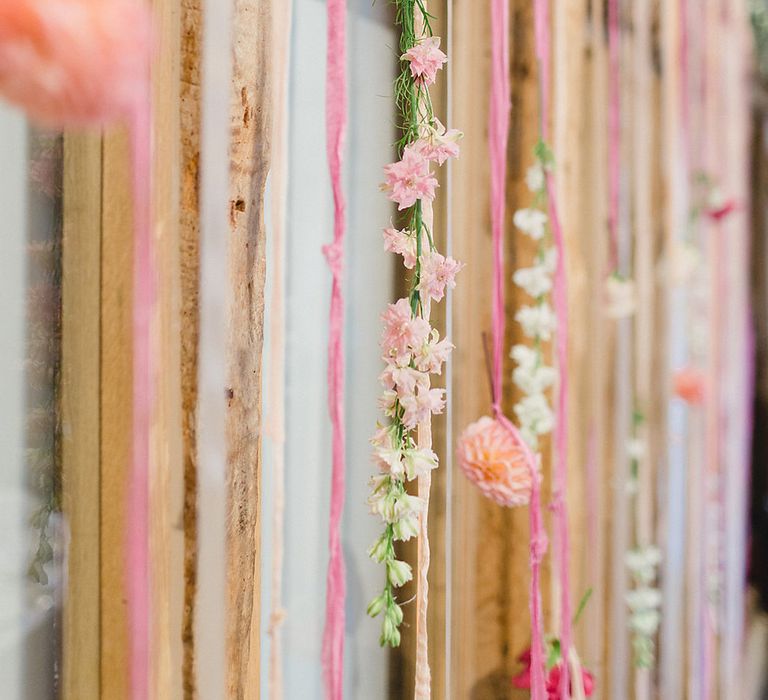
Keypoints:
pixel 335 113
pixel 559 505
pixel 137 574
pixel 498 128
pixel 614 131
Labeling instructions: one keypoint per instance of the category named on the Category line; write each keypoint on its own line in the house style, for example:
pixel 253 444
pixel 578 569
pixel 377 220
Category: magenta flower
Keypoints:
pixel 401 243
pixel 402 332
pixel 426 59
pixel 437 273
pixel 409 179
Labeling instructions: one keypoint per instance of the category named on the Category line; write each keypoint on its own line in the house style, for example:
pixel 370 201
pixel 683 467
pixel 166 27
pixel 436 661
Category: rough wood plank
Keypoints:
pixel 250 152
pixel 80 413
pixel 191 43
pixel 116 407
pixel 166 488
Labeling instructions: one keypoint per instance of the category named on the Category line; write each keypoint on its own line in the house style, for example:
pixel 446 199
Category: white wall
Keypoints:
pixel 371 64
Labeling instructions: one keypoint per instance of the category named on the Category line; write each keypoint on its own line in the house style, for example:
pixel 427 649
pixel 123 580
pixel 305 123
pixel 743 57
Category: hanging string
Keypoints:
pixel 335 113
pixel 614 132
pixel 498 131
pixel 276 417
pixel 448 458
pixel 559 506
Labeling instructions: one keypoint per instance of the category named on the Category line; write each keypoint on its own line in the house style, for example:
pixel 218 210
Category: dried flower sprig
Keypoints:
pixel 411 348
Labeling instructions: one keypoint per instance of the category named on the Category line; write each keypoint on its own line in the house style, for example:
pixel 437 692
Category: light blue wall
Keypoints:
pixel 371 63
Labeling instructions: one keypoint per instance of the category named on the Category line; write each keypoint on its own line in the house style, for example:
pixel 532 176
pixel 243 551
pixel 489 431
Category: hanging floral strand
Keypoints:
pixel 411 348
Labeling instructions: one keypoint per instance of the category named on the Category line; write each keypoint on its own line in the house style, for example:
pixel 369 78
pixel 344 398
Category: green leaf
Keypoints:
pixel 554 654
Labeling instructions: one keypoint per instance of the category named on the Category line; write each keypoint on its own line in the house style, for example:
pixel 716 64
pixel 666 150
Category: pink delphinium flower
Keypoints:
pixel 491 459
pixel 431 356
pixel 409 179
pixel 426 59
pixel 419 406
pixel 402 332
pixel 439 147
pixel 401 243
pixel 437 273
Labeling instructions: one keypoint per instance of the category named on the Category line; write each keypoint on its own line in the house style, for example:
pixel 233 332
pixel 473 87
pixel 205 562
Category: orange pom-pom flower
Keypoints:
pixel 74 63
pixel 496 461
pixel 689 385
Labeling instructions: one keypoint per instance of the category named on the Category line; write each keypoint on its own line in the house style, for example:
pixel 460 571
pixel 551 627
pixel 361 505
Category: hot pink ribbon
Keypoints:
pixel 336 115
pixel 498 128
pixel 559 505
pixel 137 573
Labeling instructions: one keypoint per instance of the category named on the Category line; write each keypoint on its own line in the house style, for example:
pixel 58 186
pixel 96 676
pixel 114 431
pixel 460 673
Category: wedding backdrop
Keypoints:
pixel 406 349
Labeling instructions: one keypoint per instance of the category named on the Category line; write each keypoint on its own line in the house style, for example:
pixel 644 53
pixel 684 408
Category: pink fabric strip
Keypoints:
pixel 559 505
pixel 137 573
pixel 614 132
pixel 335 113
pixel 498 133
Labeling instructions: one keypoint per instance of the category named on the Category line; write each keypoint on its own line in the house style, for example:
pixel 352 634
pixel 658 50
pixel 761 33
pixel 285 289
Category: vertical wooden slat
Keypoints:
pixel 250 152
pixel 167 473
pixel 80 400
pixel 189 217
pixel 116 407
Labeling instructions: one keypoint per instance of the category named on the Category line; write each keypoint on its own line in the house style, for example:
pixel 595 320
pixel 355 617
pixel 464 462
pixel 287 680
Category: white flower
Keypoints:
pixel 636 449
pixel 405 528
pixel 419 462
pixel 398 572
pixel 534 177
pixel 407 505
pixel 525 356
pixel 645 623
pixel 631 487
pixel 643 599
pixel 550 260
pixel 534 413
pixel 534 380
pixel 378 552
pixel 620 297
pixel 531 222
pixel 684 260
pixel 383 503
pixel 387 402
pixel 537 321
pixel 642 563
pixel 534 280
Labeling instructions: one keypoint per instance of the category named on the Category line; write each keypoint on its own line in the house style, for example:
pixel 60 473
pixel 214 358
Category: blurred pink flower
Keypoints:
pixel 426 59
pixel 689 384
pixel 419 406
pixel 74 62
pixel 437 273
pixel 495 462
pixel 409 179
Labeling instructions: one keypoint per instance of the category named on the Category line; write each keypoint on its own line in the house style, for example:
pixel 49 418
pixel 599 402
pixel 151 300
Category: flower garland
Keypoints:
pixel 411 348
pixel 532 375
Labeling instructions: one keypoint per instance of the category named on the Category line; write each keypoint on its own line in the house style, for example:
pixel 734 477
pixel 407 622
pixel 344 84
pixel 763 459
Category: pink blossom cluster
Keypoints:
pixel 426 59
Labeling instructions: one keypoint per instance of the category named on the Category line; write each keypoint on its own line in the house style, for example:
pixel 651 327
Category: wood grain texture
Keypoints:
pixel 251 110
pixel 116 407
pixel 189 245
pixel 166 487
pixel 80 413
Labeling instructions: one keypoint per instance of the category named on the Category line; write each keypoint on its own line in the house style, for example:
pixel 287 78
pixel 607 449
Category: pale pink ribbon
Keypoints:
pixel 559 505
pixel 137 573
pixel 336 115
pixel 498 134
pixel 614 132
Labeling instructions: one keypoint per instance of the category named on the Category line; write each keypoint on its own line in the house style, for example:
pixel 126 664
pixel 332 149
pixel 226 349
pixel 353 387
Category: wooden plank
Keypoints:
pixel 166 487
pixel 116 407
pixel 251 113
pixel 189 217
pixel 80 413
